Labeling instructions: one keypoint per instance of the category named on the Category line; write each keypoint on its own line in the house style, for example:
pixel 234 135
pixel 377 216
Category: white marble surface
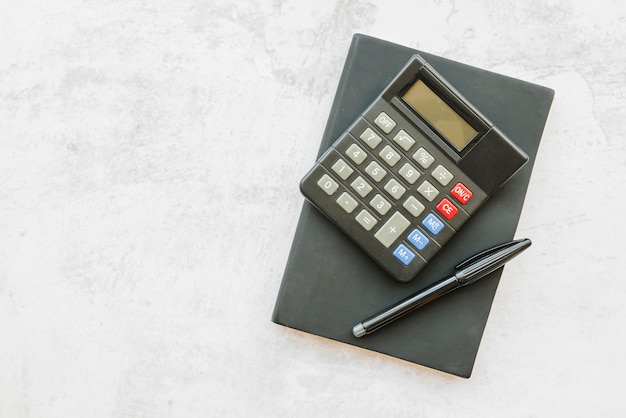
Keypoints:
pixel 150 153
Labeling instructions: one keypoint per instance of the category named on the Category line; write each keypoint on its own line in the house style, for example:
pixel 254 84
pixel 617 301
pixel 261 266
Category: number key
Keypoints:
pixel 327 184
pixel 370 138
pixel 342 169
pixel 361 186
pixel 409 173
pixel 356 154
pixel 380 204
pixel 395 189
pixel 390 156
pixel 375 171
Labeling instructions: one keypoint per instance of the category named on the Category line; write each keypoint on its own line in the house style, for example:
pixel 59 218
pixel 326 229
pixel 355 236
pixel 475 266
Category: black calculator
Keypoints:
pixel 411 170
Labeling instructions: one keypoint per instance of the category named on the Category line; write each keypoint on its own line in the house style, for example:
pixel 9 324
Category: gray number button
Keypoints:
pixel 380 204
pixel 409 173
pixel 342 169
pixel 375 171
pixel 328 185
pixel 361 186
pixel 389 155
pixel 356 154
pixel 370 138
pixel 395 189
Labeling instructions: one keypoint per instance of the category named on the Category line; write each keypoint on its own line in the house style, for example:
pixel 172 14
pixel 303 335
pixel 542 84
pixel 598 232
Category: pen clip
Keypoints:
pixel 484 254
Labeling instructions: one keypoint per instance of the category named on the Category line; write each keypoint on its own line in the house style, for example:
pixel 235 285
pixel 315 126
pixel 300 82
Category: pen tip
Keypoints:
pixel 358 330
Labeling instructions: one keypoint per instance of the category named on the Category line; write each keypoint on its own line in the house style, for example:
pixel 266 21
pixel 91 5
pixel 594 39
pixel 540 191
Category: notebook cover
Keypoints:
pixel 329 284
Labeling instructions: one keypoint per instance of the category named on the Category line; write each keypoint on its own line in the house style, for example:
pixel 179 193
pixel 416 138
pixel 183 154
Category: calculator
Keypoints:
pixel 411 170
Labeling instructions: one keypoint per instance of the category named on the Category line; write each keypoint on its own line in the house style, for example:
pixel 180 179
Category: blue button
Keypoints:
pixel 403 254
pixel 433 224
pixel 418 239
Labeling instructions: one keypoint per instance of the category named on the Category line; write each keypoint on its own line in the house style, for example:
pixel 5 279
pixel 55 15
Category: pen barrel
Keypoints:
pixel 409 304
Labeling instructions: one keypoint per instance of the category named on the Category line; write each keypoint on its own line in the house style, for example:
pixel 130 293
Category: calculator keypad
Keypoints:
pixel 396 194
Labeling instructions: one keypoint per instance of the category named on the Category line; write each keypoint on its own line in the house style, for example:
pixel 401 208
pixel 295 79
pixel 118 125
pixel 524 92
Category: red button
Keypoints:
pixel 447 209
pixel 461 193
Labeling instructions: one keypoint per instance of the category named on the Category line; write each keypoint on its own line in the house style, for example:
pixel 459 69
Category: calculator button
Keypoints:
pixel 403 139
pixel 409 173
pixel 375 171
pixel 371 138
pixel 461 193
pixel 342 169
pixel 366 220
pixel 380 205
pixel 390 156
pixel 433 224
pixel 442 175
pixel 328 185
pixel 392 229
pixel 384 122
pixel 423 158
pixel 403 254
pixel 395 189
pixel 418 239
pixel 447 209
pixel 356 154
pixel 428 191
pixel 361 186
pixel 346 202
pixel 414 206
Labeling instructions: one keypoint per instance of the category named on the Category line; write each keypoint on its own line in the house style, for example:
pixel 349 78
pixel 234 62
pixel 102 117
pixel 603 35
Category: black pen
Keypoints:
pixel 467 272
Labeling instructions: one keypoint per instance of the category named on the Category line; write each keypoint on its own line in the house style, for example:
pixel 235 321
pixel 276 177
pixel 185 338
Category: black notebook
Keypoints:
pixel 329 284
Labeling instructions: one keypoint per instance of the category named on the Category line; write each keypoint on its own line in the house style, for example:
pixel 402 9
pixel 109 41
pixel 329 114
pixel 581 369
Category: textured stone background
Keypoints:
pixel 150 153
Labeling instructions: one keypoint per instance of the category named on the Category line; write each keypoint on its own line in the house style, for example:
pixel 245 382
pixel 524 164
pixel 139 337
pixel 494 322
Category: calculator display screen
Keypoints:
pixel 439 114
